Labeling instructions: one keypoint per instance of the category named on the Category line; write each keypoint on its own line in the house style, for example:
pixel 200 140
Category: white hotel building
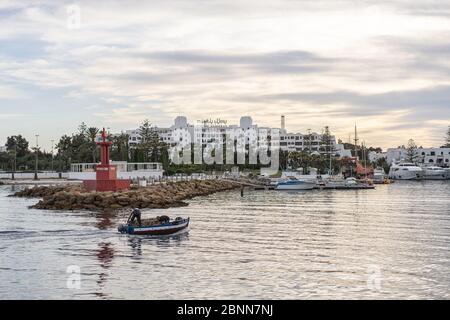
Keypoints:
pixel 216 129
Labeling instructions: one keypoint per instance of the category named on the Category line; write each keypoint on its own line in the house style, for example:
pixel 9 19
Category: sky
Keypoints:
pixel 383 65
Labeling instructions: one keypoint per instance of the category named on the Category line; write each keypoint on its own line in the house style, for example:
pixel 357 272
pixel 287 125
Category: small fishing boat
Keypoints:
pixel 155 227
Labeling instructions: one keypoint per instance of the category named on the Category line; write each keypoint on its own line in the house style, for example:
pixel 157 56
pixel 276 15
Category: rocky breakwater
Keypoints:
pixel 156 196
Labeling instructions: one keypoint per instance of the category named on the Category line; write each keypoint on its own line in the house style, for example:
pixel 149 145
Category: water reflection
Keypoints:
pixel 105 256
pixel 137 242
pixel 105 220
pixel 267 245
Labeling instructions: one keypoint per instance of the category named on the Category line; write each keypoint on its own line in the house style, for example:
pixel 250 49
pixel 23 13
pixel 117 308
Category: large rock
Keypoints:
pixel 166 195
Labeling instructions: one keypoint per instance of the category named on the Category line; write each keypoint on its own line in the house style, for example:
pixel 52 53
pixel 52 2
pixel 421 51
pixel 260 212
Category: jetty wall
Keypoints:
pixel 164 195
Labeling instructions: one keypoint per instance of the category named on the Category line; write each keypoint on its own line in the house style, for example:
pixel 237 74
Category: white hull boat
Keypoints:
pixel 435 173
pixel 406 171
pixel 295 184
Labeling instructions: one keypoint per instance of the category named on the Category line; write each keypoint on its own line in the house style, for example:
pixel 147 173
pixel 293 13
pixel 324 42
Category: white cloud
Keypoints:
pixel 159 59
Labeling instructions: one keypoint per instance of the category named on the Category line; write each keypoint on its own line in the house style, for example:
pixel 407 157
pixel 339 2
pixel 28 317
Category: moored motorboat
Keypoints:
pixel 434 173
pixel 406 171
pixel 350 183
pixel 447 171
pixel 155 227
pixel 380 177
pixel 292 183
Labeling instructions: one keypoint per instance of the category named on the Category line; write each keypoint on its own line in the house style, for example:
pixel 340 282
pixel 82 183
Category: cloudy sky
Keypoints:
pixel 381 64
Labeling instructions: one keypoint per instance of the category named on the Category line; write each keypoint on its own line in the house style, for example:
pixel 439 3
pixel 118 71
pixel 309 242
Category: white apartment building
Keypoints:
pixel 213 129
pixel 3 149
pixel 374 156
pixel 426 156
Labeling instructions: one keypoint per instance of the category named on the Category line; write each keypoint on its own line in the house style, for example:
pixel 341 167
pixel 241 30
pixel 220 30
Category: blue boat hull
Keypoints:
pixel 156 230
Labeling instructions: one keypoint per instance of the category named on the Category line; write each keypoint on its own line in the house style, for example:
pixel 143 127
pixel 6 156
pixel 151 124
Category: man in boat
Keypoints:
pixel 135 215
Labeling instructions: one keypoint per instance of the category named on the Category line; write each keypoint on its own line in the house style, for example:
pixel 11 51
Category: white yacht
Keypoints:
pixel 292 183
pixel 434 173
pixel 406 171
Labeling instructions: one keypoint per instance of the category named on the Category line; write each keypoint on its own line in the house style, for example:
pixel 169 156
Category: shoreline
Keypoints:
pixel 160 196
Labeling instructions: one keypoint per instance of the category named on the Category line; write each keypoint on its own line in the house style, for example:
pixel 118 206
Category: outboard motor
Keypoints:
pixel 122 228
pixel 178 220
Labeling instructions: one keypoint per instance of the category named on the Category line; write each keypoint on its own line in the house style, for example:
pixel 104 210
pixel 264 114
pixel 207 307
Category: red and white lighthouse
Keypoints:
pixel 106 174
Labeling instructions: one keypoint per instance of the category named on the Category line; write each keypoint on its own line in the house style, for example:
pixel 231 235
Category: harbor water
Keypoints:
pixel 388 243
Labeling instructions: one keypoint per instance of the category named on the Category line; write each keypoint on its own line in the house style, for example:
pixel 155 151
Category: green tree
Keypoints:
pixel 283 159
pixel 382 163
pixel 411 151
pixel 298 160
pixel 91 134
pixel 17 144
pixel 81 149
pixel 83 129
pixel 120 147
pixel 4 161
pixel 65 149
pixel 327 147
pixel 150 144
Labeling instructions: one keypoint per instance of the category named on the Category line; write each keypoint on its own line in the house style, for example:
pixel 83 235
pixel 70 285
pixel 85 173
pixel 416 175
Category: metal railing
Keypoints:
pixel 122 166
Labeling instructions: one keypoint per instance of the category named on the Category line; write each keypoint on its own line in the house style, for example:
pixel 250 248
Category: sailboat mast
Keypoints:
pixel 364 158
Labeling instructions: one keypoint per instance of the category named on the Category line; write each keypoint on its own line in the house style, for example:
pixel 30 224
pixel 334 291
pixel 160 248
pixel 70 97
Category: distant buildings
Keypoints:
pixel 213 129
pixel 426 156
pixel 3 149
pixel 374 156
pixel 311 142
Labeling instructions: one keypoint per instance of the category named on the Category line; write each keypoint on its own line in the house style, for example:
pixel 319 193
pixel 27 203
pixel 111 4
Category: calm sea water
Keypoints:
pixel 392 242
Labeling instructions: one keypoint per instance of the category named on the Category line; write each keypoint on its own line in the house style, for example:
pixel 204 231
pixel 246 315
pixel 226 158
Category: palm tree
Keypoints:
pixel 300 160
pixel 92 133
pixel 120 143
pixel 284 158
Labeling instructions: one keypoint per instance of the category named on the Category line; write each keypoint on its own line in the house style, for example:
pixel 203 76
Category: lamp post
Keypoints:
pixel 15 162
pixel 15 157
pixel 53 141
pixel 37 158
